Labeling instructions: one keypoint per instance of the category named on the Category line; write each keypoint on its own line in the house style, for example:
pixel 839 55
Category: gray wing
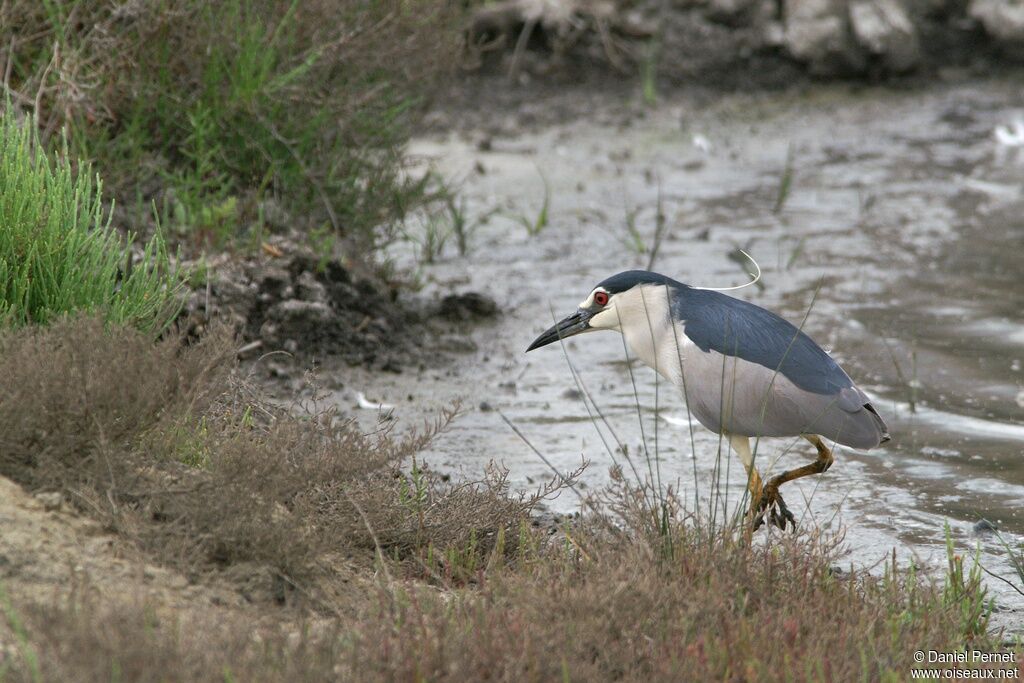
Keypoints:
pixel 808 392
pixel 732 327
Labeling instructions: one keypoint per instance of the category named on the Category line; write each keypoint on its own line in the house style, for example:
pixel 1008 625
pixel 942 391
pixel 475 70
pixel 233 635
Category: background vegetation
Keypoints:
pixel 236 116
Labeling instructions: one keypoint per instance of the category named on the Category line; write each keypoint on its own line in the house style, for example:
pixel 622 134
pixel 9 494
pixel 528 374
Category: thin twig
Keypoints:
pixel 1001 578
pixel 42 81
pixel 517 53
pixel 373 534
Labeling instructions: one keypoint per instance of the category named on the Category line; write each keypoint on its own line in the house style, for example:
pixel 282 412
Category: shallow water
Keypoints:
pixel 902 235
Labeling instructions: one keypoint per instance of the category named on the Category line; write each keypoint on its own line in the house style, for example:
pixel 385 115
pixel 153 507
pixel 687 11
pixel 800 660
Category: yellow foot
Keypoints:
pixel 771 503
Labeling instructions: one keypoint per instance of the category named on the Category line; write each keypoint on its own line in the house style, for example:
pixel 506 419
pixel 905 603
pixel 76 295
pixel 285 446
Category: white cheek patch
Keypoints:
pixel 607 319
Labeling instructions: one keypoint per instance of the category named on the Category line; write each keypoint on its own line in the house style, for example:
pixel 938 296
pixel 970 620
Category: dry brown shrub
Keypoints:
pixel 171 448
pixel 717 609
pixel 210 108
pixel 714 609
pixel 75 395
pixel 83 640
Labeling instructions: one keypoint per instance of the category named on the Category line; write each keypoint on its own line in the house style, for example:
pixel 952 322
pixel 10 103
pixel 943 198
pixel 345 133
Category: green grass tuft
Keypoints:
pixel 58 251
pixel 214 110
pixel 535 226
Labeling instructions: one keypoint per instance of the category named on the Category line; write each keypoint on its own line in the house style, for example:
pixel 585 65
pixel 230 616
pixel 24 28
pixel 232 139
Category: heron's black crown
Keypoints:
pixel 631 278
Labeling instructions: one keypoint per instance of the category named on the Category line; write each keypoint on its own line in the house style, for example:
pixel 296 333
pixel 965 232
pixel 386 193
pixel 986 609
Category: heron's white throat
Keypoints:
pixel 643 316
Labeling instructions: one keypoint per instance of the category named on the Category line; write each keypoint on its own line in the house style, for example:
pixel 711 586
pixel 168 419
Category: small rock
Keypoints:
pixel 885 30
pixel 308 288
pixel 983 526
pixel 50 500
pixel 572 394
pixel 839 573
pixel 1003 20
pixel 296 309
pixel 634 24
pixel 485 407
pixel 818 32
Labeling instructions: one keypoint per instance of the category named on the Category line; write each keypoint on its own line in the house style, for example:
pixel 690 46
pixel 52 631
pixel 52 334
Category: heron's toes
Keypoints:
pixel 782 516
pixel 775 507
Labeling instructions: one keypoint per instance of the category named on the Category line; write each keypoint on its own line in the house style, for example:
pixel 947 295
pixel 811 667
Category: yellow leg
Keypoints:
pixel 741 445
pixel 820 465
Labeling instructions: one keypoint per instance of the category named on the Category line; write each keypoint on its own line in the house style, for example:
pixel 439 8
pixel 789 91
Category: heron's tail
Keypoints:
pixel 879 422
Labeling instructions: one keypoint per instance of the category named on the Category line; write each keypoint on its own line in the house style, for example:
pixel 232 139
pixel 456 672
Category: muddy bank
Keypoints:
pixel 296 308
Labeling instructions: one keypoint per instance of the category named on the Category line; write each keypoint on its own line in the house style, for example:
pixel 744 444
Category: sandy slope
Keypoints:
pixel 47 551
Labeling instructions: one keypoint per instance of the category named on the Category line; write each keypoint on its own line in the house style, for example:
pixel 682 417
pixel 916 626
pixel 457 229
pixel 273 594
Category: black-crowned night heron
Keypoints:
pixel 743 371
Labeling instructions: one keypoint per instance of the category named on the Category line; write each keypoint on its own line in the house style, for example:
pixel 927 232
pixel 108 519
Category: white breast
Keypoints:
pixel 650 333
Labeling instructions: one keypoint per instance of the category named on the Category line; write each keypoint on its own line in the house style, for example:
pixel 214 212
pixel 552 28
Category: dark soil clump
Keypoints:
pixel 467 307
pixel 314 309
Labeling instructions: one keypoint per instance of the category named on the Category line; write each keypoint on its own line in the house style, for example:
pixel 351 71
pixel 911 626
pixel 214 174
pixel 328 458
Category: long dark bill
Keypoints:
pixel 573 324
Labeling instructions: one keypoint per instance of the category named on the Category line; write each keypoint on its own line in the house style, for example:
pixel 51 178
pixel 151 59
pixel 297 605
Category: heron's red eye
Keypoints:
pixel 600 298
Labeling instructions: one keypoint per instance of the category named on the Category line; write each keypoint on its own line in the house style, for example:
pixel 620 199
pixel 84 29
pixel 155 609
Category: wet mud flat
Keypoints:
pixel 890 224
